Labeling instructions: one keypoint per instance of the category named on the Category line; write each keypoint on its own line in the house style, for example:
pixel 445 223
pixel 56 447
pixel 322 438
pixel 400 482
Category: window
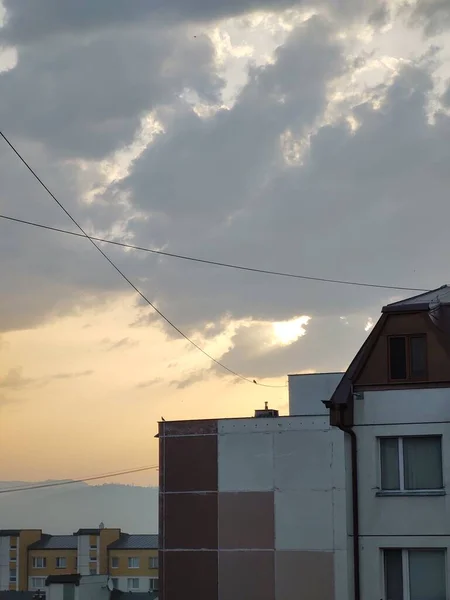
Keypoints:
pixel 115 582
pixel 61 562
pixel 114 562
pixel 415 574
pixel 13 575
pixel 93 547
pixel 12 558
pixel 411 463
pixel 39 562
pixel 13 543
pixel 408 358
pixel 153 562
pixel 133 583
pixel 37 583
pixel 153 584
pixel 133 562
pixel 92 571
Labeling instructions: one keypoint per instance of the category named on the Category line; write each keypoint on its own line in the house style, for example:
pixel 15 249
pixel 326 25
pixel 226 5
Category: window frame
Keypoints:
pixel 115 562
pixel 409 376
pixel 61 558
pixel 154 587
pixel 36 559
pixel 405 568
pixel 132 587
pixel 132 558
pixel 13 578
pixel 38 587
pixel 153 562
pixel 401 468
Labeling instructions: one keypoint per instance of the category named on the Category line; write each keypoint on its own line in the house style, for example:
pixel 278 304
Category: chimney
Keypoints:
pixel 266 413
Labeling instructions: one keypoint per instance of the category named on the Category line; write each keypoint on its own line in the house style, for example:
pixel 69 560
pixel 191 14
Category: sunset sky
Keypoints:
pixel 311 137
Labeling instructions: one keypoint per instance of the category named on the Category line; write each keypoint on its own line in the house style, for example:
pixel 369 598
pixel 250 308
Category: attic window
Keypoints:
pixel 408 358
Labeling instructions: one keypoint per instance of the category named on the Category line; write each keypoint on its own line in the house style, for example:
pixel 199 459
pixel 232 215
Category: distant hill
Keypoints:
pixel 67 508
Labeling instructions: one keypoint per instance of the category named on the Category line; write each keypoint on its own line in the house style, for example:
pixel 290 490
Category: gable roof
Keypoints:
pixel 135 542
pixel 421 302
pixel 55 542
pixel 428 301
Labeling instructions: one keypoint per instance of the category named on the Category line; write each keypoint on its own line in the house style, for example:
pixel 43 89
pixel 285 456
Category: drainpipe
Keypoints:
pixel 355 512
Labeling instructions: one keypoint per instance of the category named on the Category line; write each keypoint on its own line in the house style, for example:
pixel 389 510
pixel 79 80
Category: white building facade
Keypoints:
pixel 395 398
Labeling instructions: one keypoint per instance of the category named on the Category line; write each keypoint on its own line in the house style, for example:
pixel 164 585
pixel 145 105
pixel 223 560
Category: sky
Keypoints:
pixel 292 135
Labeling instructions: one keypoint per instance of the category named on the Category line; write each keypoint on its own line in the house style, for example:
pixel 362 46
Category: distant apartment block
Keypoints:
pixel 29 557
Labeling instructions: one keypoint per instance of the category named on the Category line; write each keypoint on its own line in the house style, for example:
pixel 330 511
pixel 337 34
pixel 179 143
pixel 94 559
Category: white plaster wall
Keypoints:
pixel 54 592
pixel 400 521
pixel 403 406
pixel 307 392
pixel 93 587
pixel 143 584
pixel 4 563
pixel 403 515
pixel 83 555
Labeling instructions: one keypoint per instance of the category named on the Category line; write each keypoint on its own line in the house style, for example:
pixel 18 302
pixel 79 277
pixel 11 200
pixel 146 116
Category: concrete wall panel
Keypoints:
pixel 305 575
pixel 246 575
pixel 246 520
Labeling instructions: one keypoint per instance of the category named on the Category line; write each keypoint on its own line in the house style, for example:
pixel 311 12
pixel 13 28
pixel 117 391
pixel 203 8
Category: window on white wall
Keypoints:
pixel 38 583
pixel 153 584
pixel 133 562
pixel 415 574
pixel 133 583
pixel 411 463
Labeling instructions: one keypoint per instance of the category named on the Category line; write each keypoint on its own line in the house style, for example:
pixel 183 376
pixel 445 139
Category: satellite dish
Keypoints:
pixel 110 585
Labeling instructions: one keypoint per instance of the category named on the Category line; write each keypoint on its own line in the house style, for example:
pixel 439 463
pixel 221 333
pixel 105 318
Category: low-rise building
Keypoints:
pixel 133 563
pixel 29 557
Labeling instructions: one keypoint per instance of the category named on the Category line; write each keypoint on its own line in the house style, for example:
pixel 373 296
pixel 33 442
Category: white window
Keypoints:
pixel 38 583
pixel 13 559
pixel 133 562
pixel 411 463
pixel 415 574
pixel 115 562
pixel 153 584
pixel 39 562
pixel 133 583
pixel 153 562
pixel 13 575
pixel 61 562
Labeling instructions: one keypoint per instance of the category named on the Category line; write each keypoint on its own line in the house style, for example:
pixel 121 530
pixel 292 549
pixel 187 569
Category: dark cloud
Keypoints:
pixel 89 98
pixel 380 16
pixel 31 20
pixel 432 15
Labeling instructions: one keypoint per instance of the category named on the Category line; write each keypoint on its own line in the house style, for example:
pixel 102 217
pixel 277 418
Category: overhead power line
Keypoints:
pixel 122 274
pixel 214 262
pixel 40 486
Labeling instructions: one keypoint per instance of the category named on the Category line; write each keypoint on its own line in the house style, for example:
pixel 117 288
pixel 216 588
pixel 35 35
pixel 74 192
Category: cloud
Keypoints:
pixel 432 15
pixel 312 167
pixel 122 344
pixel 14 380
pixel 149 383
pixel 28 21
pixel 74 375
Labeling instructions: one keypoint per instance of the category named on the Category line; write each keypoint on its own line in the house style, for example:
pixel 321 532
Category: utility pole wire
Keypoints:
pixel 213 262
pixel 40 486
pixel 122 274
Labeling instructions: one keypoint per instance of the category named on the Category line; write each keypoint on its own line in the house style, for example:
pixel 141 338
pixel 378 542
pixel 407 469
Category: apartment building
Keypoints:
pixel 29 557
pixel 394 406
pixel 14 557
pixel 255 508
pixel 133 563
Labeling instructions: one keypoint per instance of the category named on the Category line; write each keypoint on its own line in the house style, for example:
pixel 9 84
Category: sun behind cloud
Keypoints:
pixel 288 332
